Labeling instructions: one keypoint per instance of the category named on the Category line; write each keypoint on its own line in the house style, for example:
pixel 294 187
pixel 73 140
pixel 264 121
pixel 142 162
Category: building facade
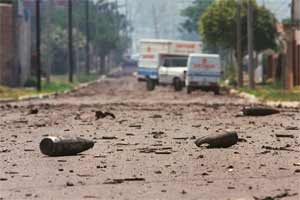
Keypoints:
pixel 15 45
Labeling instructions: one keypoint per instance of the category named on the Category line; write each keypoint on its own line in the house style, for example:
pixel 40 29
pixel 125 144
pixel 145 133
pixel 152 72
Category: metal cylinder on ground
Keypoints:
pixel 64 146
pixel 223 140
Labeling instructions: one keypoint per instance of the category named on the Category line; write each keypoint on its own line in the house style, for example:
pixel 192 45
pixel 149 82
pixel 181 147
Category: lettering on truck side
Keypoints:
pixel 149 56
pixel 187 46
pixel 204 64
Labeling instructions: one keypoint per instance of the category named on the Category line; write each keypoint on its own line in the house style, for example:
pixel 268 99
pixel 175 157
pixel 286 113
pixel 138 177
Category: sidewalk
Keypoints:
pixel 255 100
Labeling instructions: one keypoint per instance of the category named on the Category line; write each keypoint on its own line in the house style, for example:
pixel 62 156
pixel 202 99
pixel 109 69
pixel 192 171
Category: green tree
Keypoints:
pixel 108 30
pixel 217 26
pixel 192 14
pixel 5 1
pixel 59 47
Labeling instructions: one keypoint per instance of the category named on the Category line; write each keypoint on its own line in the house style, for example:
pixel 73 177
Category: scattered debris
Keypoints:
pixel 297 164
pixel 196 126
pixel 242 140
pixel 284 136
pixel 90 197
pixel 162 152
pixel 224 140
pixel 180 138
pixel 278 148
pixel 259 111
pixel 157 134
pixel 156 116
pixel 109 138
pixel 4 151
pixel 279 196
pixel 69 184
pixel 291 128
pixel 264 152
pixel 135 126
pixel 64 146
pixel 28 150
pixel 101 115
pixel 33 111
pixel 119 181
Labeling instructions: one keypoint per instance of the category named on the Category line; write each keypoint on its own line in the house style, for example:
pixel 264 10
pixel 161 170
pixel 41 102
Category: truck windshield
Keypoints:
pixel 175 61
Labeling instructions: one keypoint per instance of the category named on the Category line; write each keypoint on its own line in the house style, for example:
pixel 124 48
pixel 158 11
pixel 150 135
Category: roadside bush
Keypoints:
pixel 31 82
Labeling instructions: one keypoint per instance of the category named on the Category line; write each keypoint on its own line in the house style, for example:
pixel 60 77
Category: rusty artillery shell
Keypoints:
pixel 224 140
pixel 64 146
pixel 259 111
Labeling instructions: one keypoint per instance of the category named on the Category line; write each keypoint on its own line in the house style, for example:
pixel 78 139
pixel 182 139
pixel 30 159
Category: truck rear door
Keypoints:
pixel 204 70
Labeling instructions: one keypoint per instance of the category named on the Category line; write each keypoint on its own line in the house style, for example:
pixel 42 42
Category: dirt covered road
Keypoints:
pixel 148 151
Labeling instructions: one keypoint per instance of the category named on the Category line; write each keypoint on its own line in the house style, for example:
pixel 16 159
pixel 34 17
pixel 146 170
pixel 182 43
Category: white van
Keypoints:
pixel 172 70
pixel 203 72
pixel 164 62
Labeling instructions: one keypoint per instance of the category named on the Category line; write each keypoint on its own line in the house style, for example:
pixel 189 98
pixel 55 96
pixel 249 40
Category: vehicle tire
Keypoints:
pixel 150 84
pixel 188 89
pixel 217 91
pixel 177 84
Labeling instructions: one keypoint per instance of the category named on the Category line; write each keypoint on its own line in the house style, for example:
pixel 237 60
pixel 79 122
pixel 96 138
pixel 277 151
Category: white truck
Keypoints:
pixel 164 62
pixel 203 72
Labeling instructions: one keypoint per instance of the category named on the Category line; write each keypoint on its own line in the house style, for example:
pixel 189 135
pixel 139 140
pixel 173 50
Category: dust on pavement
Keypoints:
pixel 148 151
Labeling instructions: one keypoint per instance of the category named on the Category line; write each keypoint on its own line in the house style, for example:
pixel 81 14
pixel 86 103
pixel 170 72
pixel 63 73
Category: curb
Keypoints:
pixel 255 100
pixel 50 95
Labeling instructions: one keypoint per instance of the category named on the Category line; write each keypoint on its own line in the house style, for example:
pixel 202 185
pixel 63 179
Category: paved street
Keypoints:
pixel 149 147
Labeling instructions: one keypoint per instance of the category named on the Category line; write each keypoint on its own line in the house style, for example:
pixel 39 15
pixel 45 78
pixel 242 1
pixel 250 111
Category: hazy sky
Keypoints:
pixel 161 18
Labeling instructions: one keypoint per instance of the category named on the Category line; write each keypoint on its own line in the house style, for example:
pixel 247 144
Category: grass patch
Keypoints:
pixel 273 92
pixel 14 93
pixel 87 78
pixel 57 84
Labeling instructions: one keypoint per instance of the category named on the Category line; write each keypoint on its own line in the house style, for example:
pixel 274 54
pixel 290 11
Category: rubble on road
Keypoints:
pixel 101 115
pixel 33 111
pixel 64 146
pixel 291 128
pixel 119 181
pixel 286 148
pixel 285 136
pixel 224 140
pixel 279 196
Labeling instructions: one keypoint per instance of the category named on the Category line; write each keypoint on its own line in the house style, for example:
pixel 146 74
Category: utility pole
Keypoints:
pixel 239 46
pixel 250 45
pixel 87 12
pixel 38 46
pixel 48 26
pixel 70 33
pixel 155 22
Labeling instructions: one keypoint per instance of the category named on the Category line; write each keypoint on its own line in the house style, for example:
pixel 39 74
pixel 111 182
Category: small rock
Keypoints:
pixel 297 164
pixel 33 111
pixel 297 171
pixel 69 184
pixel 102 115
pixel 291 128
pixel 156 116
